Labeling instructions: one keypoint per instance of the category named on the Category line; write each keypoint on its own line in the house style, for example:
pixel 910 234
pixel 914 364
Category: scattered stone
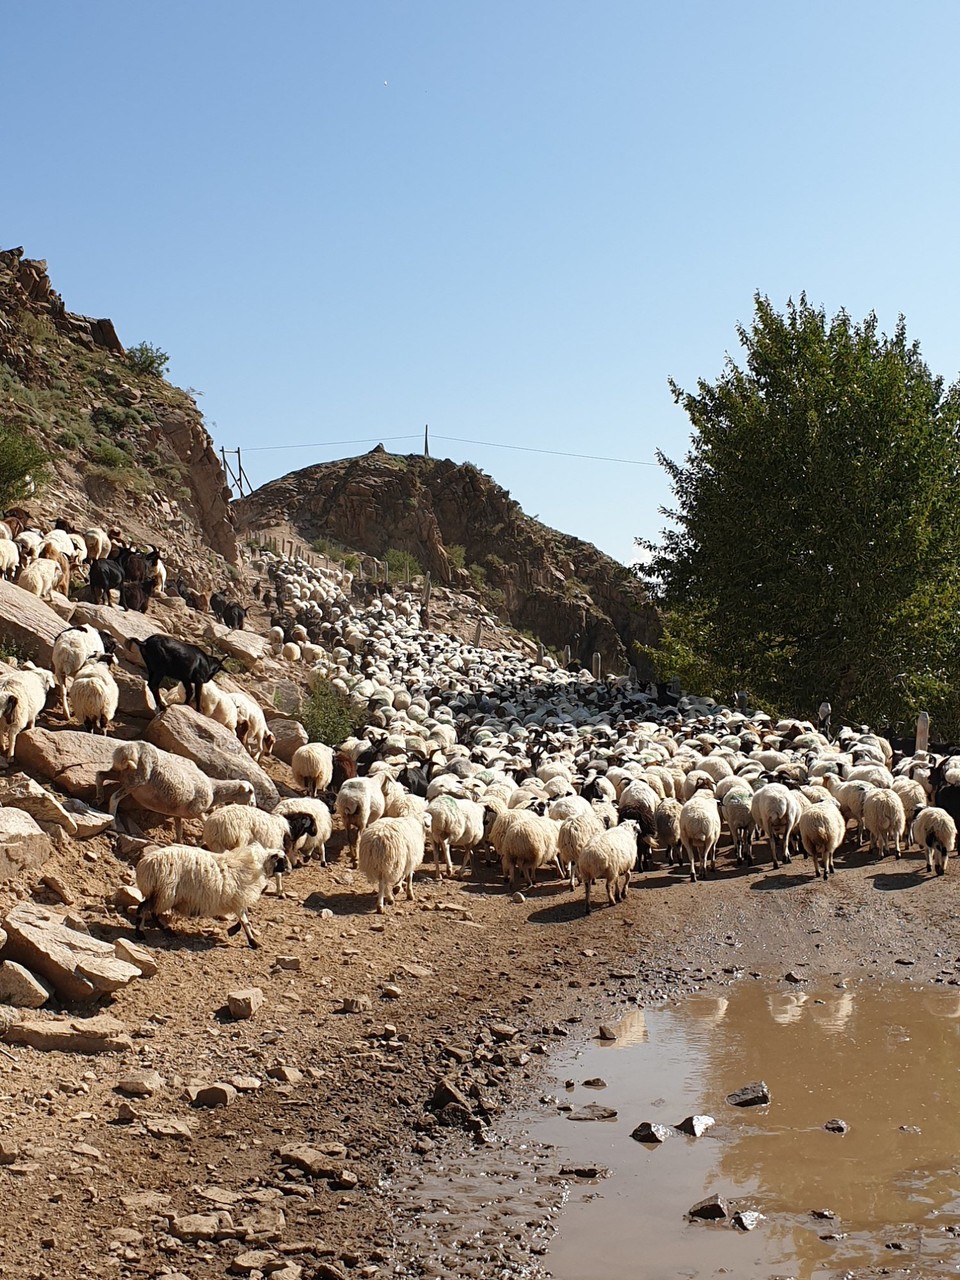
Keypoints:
pixel 218 1094
pixel 141 1084
pixel 713 1208
pixel 650 1131
pixel 101 1034
pixel 168 1127
pixel 595 1082
pixel 88 821
pixel 750 1095
pixel 793 976
pixel 32 625
pixel 246 1084
pixel 391 991
pixel 198 1226
pixel 747 1219
pixel 19 987
pixel 69 758
pixel 417 970
pixel 593 1111
pixel 357 1004
pixel 318 1162
pixel 253 1260
pixel 588 1172
pixel 288 962
pixel 245 646
pixel 836 1126
pixel 446 1093
pixel 346 1180
pixel 244 1004
pixel 9 1151
pixel 823 1213
pixel 517 897
pixel 606 1033
pixel 696 1126
pixel 502 1031
pixel 285 1074
pixel 910 1128
pixel 127 897
pixel 138 956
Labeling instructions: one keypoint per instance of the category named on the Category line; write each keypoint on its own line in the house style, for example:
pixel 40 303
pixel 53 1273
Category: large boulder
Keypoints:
pixel 23 844
pixel 77 966
pixel 213 748
pixel 245 646
pixel 102 1034
pixel 290 736
pixel 123 624
pixel 29 623
pixel 70 759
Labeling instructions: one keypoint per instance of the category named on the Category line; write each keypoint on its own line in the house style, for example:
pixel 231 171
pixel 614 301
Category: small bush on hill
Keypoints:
pixel 328 715
pixel 457 556
pixel 146 358
pixel 402 565
pixel 23 467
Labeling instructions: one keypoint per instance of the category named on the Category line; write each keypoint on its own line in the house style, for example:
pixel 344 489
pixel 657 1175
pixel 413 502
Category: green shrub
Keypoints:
pixel 110 455
pixel 478 575
pixel 402 565
pixel 122 477
pixel 328 715
pixel 146 358
pixel 23 466
pixel 457 556
pixel 351 563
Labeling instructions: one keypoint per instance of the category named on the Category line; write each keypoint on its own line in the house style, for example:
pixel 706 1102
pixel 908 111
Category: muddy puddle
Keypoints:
pixel 883 1058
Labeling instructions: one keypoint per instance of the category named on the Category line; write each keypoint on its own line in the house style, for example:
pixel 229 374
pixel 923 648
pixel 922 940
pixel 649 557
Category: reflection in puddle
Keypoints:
pixel 884 1058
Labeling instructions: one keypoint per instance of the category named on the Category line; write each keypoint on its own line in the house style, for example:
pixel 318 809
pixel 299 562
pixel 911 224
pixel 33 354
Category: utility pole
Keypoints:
pixel 426 440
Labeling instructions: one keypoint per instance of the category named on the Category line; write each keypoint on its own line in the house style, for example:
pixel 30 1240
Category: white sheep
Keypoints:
pixel 884 820
pixel 822 830
pixel 95 694
pixel 312 767
pixel 667 821
pixel 610 856
pixel 29 543
pixel 234 825
pixel 360 801
pixel 9 559
pixel 525 841
pixel 391 849
pixel 310 844
pixel 168 784
pixel 700 830
pixel 71 649
pixel 776 811
pixel 97 542
pixel 736 807
pixel 215 703
pixel 573 837
pixel 23 695
pixel 933 829
pixel 196 883
pixel 39 577
pixel 454 824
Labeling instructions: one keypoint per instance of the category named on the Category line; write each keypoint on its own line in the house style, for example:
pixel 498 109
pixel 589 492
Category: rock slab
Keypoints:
pixel 755 1094
pixel 70 759
pixel 77 966
pixel 21 988
pixel 23 843
pixel 101 1034
pixel 212 747
pixel 32 625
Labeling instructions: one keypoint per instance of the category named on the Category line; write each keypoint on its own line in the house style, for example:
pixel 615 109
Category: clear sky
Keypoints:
pixel 512 219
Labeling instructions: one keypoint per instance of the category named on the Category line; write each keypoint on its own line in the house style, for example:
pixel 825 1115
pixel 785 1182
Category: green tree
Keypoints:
pixel 23 466
pixel 816 541
pixel 146 358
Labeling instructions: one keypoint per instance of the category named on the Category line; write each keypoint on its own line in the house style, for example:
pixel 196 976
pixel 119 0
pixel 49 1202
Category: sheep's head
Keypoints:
pixel 245 794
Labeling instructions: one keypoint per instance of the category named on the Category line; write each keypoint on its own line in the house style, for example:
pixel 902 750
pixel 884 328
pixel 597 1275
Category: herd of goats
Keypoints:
pixel 491 753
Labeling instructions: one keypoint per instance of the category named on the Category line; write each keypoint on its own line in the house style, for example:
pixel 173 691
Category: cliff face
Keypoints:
pixel 446 515
pixel 124 445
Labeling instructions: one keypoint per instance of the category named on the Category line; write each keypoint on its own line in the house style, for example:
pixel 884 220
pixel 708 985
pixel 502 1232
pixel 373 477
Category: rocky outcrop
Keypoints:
pixel 23 843
pixel 563 590
pixel 211 747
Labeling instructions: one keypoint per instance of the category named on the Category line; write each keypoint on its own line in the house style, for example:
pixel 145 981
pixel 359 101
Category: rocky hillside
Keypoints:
pixel 125 446
pixel 468 533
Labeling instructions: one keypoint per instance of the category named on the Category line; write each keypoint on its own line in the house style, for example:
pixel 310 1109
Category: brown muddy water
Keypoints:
pixel 884 1058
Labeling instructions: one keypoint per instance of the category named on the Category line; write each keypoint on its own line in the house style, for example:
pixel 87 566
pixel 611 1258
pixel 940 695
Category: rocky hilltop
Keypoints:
pixel 468 533
pixel 124 445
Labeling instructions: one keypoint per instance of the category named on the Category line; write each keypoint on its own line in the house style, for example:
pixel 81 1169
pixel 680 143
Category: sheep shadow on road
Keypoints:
pixel 907 879
pixel 782 880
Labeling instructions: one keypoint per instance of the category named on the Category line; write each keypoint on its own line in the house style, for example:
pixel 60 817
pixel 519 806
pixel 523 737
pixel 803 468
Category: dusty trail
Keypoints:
pixel 438 974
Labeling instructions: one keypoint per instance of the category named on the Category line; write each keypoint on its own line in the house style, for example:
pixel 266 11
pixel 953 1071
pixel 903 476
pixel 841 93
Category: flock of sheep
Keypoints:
pixel 492 754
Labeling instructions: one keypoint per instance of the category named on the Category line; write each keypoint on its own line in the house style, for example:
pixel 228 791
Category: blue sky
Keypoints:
pixel 510 220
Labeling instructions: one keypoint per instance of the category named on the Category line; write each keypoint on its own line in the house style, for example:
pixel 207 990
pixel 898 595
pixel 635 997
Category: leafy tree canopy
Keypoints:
pixel 815 547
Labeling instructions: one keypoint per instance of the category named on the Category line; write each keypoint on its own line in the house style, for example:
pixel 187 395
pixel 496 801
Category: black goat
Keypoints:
pixel 218 602
pixel 233 615
pixel 167 658
pixel 136 595
pixel 105 576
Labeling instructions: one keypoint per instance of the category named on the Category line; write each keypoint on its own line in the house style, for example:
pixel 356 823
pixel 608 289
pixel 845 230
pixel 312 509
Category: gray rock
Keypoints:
pixel 318 1162
pixel 246 646
pixel 650 1131
pixel 593 1111
pixel 212 747
pixel 141 1084
pixel 606 1033
pixel 750 1095
pixel 747 1219
pixel 696 1126
pixel 138 956
pixel 21 988
pixel 357 1004
pixel 713 1208
pixel 21 792
pixel 218 1094
pixel 168 1127
pixel 836 1126
pixel 88 822
pixel 70 759
pixel 32 625
pixel 200 1226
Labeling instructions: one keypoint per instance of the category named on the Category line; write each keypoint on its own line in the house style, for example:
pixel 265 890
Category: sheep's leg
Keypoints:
pixel 248 931
pixel 586 891
pixel 121 793
pixel 142 908
pixel 896 847
pixel 437 848
pixel 625 886
pixel 409 887
pixel 323 853
pixel 178 829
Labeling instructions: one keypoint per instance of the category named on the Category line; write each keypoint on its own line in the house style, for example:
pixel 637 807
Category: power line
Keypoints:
pixel 487 444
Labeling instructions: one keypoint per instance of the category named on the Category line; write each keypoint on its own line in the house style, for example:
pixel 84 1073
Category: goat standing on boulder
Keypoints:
pixel 165 657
